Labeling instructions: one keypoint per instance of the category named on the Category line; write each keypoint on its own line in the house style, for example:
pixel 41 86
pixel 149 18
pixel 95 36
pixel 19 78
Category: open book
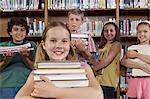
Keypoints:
pixel 143 49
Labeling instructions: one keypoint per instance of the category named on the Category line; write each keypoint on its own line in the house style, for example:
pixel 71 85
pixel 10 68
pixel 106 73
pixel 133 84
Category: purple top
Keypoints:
pixel 84 63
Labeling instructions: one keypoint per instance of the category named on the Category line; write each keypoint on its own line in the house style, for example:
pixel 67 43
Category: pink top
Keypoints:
pixel 139 88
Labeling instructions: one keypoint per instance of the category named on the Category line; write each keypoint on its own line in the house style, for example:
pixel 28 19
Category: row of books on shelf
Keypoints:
pixel 64 74
pixel 4 49
pixel 72 4
pixel 128 26
pixel 19 4
pixel 95 4
pixel 82 4
pixel 134 3
pixel 90 26
pixel 94 26
pixel 36 26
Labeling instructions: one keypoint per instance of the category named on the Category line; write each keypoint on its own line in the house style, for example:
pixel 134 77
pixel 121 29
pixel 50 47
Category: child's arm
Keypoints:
pixel 115 49
pixel 81 46
pixel 28 60
pixel 130 64
pixel 26 90
pixel 145 58
pixel 46 89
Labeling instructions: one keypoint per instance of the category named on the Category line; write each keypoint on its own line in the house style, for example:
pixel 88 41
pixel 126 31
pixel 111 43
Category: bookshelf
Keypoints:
pixel 48 14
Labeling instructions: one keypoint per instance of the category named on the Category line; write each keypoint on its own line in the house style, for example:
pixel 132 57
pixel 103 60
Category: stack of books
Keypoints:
pixel 62 74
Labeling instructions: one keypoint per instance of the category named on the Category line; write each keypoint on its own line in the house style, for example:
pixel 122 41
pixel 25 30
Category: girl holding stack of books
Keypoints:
pixel 56 46
pixel 139 86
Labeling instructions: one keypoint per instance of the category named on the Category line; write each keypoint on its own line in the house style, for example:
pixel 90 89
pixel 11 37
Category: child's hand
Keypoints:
pixel 24 51
pixel 132 54
pixel 146 68
pixel 80 44
pixel 7 57
pixel 44 89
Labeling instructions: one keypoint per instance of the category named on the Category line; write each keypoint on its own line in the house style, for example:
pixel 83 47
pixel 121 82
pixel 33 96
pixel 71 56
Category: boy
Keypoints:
pixel 15 66
pixel 75 20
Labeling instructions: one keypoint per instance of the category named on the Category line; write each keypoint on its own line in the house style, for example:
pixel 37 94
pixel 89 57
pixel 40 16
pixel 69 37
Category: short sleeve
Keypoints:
pixel 84 63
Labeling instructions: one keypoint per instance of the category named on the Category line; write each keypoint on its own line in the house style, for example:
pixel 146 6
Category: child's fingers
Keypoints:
pixel 45 79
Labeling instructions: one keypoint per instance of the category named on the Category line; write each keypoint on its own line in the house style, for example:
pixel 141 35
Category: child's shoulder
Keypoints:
pixel 6 43
pixel 116 44
pixel 31 42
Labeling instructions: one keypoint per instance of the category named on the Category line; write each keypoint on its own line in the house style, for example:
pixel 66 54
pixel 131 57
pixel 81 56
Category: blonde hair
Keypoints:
pixel 76 12
pixel 41 55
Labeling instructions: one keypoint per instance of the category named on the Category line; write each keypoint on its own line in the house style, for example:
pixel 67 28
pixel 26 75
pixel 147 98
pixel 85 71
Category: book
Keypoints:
pixel 72 84
pixel 79 35
pixel 29 49
pixel 58 71
pixel 62 64
pixel 80 76
pixel 143 49
pixel 139 72
pixel 4 49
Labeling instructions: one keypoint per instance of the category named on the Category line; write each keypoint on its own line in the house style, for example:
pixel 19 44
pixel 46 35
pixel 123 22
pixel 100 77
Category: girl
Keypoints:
pixel 106 67
pixel 139 87
pixel 56 45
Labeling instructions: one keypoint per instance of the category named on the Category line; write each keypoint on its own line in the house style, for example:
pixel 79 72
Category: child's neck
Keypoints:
pixel 18 42
pixel 144 43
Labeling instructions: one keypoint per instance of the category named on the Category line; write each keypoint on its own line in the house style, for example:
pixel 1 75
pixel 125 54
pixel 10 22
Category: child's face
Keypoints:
pixel 109 32
pixel 143 33
pixel 74 22
pixel 18 33
pixel 57 43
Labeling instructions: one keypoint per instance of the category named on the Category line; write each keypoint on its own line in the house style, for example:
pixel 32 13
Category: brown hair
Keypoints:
pixel 41 55
pixel 117 37
pixel 76 12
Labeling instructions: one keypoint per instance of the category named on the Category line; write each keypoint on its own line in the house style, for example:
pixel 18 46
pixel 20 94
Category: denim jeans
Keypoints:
pixel 8 93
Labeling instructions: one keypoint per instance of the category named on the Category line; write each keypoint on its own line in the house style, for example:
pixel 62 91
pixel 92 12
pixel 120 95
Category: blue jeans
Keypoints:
pixel 8 93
